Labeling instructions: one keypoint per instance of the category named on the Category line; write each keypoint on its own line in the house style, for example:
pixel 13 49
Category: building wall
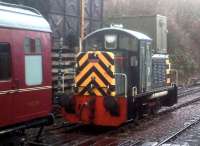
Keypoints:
pixel 64 16
pixel 153 26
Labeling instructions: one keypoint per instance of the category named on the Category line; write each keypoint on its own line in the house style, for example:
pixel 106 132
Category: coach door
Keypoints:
pixel 6 81
pixel 34 96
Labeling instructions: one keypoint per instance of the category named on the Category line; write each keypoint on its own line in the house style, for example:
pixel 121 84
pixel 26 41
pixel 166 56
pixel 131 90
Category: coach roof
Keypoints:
pixel 22 17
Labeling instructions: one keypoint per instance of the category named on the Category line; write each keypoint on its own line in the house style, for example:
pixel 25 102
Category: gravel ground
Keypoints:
pixel 158 128
pixel 183 100
pixel 190 136
pixel 148 130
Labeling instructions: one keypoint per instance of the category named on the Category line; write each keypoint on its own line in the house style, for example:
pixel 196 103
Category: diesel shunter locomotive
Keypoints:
pixel 118 78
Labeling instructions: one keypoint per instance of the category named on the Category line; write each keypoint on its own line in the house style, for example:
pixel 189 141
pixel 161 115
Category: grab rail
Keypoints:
pixel 63 79
pixel 125 82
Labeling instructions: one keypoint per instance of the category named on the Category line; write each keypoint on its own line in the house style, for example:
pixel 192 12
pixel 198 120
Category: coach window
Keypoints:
pixel 33 61
pixel 5 62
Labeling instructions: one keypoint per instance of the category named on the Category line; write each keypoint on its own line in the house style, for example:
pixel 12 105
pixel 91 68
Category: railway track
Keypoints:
pixel 178 133
pixel 74 134
pixel 189 91
pixel 86 140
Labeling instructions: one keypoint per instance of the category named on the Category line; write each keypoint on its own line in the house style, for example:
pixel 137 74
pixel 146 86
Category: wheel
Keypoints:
pixel 136 117
pixel 154 109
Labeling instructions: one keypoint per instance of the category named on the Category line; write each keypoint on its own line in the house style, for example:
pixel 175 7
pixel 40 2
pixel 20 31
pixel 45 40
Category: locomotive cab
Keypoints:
pixel 114 80
pixel 133 63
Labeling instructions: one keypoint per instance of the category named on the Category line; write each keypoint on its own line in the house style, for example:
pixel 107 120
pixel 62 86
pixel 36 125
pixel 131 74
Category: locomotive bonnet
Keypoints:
pixel 118 78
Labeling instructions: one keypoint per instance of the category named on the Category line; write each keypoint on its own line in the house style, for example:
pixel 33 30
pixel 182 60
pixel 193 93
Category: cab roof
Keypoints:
pixel 137 35
pixel 22 17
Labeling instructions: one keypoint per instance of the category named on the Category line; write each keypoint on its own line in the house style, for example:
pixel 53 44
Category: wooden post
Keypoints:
pixel 82 22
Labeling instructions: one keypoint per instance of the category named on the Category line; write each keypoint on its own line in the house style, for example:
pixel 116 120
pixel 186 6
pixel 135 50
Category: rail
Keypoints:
pixel 78 139
pixel 170 138
pixel 188 92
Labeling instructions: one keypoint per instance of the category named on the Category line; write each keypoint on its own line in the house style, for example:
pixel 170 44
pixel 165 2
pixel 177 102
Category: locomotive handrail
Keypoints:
pixel 125 81
pixel 63 79
pixel 134 91
pixel 21 6
pixel 177 76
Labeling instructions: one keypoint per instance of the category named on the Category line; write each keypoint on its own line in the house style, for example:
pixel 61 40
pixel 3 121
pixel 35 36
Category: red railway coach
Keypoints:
pixel 25 68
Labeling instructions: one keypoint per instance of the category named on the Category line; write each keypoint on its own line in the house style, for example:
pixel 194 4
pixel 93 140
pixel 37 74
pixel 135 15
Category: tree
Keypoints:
pixel 183 27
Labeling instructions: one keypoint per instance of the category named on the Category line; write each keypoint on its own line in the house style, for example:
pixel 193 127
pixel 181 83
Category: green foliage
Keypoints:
pixel 184 63
pixel 183 28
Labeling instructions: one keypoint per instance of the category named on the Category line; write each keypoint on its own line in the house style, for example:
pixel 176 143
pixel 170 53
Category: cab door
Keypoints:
pixel 148 65
pixel 145 66
pixel 6 78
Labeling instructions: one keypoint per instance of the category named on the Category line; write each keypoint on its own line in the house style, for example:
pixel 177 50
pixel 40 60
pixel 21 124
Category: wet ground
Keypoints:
pixel 161 127
pixel 190 137
pixel 182 100
pixel 151 129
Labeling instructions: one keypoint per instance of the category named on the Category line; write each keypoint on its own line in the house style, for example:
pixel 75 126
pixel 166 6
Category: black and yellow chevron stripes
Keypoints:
pixel 168 72
pixel 95 73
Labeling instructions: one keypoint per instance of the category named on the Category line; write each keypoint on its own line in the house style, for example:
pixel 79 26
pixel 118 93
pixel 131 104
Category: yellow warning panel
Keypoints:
pixel 168 72
pixel 95 73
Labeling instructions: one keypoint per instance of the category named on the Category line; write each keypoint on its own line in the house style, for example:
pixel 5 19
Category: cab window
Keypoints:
pixel 93 43
pixel 110 41
pixel 33 61
pixel 5 62
pixel 128 43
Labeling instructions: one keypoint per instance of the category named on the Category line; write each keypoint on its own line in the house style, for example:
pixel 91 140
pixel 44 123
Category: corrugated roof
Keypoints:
pixel 12 16
pixel 135 34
